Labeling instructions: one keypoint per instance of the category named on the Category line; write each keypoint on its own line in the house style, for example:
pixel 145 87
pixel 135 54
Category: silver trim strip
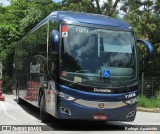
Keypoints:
pixel 95 104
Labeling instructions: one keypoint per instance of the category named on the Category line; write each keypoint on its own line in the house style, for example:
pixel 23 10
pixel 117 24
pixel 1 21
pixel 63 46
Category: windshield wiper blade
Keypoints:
pixel 80 83
pixel 124 85
pixel 117 81
pixel 121 84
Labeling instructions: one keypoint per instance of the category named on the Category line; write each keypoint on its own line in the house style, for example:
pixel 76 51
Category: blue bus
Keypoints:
pixel 79 66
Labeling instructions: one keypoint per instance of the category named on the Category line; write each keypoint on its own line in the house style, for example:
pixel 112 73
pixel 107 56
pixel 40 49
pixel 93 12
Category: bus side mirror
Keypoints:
pixel 150 49
pixel 56 41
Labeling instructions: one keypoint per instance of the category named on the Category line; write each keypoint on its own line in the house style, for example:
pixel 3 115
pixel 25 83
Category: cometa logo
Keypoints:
pixel 102 90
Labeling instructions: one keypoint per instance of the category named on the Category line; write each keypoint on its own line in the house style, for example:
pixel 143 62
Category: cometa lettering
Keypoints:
pixel 102 90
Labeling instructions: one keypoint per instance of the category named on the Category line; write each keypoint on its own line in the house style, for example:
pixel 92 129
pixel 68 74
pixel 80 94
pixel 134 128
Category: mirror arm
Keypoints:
pixel 150 49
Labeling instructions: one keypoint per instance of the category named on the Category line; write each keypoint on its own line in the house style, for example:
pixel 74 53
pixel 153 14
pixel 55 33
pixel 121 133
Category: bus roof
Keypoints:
pixel 92 19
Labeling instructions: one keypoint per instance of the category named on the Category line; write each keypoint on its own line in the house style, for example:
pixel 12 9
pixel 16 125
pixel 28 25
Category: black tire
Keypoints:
pixel 43 115
pixel 18 99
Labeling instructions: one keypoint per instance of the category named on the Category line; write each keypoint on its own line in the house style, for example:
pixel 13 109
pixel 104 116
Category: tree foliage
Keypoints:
pixel 79 5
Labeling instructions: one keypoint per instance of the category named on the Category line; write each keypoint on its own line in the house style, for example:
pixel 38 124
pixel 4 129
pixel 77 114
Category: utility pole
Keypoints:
pixel 142 83
pixel 1 67
pixel 2 98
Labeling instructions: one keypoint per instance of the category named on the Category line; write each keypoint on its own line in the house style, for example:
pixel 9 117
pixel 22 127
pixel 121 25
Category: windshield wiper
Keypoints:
pixel 122 84
pixel 109 80
pixel 117 81
pixel 80 83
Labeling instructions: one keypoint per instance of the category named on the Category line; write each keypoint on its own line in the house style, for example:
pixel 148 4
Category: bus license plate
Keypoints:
pixel 99 117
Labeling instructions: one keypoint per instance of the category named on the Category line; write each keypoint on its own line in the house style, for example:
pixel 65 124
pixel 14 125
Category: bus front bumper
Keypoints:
pixel 93 110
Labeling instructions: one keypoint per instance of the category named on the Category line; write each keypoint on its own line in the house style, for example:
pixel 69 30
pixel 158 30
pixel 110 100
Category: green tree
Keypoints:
pixel 37 10
pixel 79 6
pixel 108 8
pixel 16 20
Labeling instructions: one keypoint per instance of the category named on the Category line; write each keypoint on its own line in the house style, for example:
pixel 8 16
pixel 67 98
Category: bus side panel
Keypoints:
pixel 37 40
pixel 31 64
pixel 21 69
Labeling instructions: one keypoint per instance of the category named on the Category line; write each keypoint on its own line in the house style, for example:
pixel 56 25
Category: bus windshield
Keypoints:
pixel 93 56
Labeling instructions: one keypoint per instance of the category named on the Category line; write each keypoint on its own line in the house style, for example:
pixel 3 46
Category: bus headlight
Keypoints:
pixel 131 101
pixel 66 96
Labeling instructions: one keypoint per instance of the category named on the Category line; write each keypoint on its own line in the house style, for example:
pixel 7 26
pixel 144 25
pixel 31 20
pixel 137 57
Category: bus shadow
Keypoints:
pixel 73 125
pixel 30 109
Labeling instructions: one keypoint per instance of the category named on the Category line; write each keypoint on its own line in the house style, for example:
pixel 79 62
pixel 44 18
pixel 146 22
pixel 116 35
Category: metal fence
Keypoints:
pixel 149 86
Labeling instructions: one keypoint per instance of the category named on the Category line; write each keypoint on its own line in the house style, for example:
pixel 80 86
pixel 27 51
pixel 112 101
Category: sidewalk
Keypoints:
pixel 142 109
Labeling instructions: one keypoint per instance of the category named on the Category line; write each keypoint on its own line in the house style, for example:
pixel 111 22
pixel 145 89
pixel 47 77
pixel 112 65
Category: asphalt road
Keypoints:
pixel 12 115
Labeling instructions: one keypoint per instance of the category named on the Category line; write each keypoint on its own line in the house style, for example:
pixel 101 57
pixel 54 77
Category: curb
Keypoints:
pixel 154 110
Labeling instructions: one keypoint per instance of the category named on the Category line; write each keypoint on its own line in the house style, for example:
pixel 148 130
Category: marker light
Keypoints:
pixel 66 97
pixel 131 101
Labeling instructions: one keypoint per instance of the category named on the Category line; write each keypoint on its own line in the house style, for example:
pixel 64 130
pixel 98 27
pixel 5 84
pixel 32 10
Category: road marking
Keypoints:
pixel 6 113
pixel 15 103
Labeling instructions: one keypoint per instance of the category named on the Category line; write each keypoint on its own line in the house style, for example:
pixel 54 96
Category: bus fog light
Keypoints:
pixel 65 110
pixel 131 101
pixel 130 114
